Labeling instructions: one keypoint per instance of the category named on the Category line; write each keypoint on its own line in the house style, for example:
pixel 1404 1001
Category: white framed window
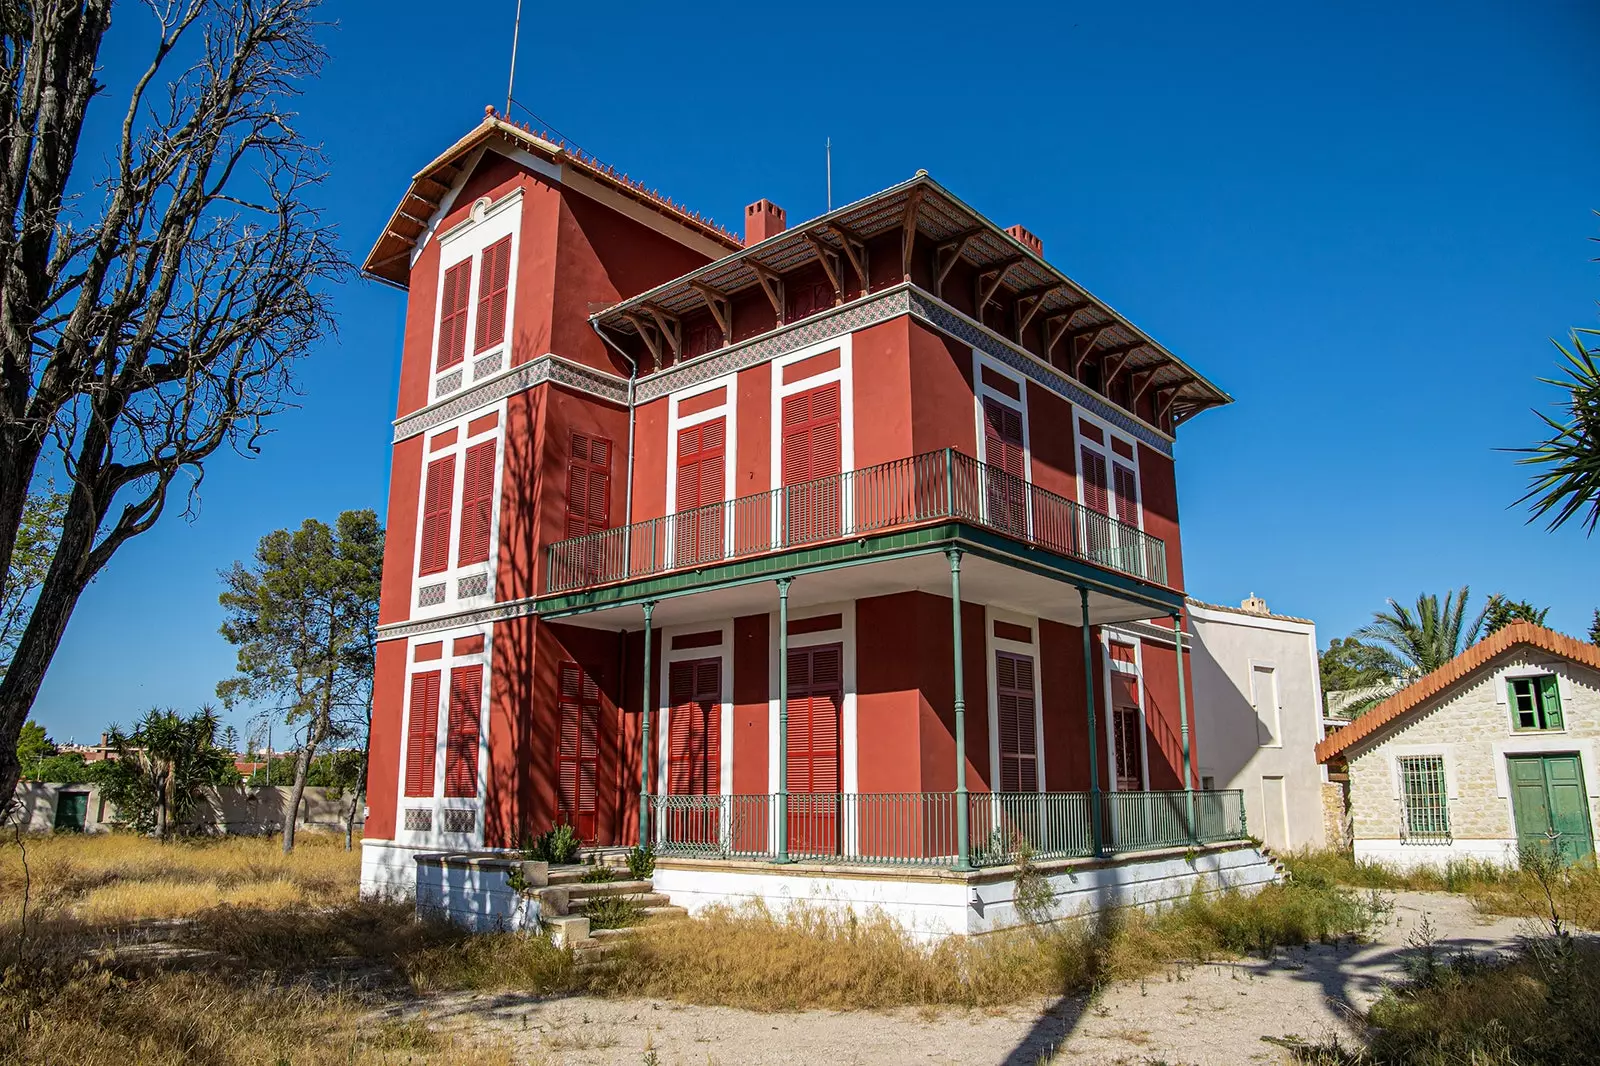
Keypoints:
pixel 1264 698
pixel 444 739
pixel 474 301
pixel 458 513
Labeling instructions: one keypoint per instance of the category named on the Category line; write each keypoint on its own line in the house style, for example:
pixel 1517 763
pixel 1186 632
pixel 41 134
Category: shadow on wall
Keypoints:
pixel 1237 731
pixel 235 810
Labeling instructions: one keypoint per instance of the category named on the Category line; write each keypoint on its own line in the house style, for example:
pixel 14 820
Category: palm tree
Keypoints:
pixel 1419 641
pixel 1566 476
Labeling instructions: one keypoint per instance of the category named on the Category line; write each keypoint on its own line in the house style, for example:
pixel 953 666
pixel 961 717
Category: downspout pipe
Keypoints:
pixel 633 378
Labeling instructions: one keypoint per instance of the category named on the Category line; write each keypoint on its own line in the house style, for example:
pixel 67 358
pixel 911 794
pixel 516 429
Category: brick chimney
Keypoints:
pixel 1033 244
pixel 762 219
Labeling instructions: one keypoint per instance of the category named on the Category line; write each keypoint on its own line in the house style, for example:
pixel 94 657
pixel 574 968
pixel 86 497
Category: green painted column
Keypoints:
pixel 644 753
pixel 1183 721
pixel 783 720
pixel 963 831
pixel 1096 825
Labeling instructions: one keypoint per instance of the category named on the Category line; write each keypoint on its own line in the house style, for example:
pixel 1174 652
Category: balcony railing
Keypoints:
pixel 920 828
pixel 903 493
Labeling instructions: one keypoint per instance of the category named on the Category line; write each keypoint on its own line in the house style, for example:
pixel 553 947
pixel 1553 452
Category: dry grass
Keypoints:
pixel 1493 889
pixel 111 878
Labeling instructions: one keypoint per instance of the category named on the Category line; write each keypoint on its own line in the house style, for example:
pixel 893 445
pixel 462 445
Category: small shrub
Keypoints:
pixel 558 845
pixel 642 863
pixel 612 912
pixel 598 874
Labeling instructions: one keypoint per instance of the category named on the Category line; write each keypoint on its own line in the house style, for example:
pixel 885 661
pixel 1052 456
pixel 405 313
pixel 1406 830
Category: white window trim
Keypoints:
pixel 1539 744
pixel 465 242
pixel 452 574
pixel 438 803
pixel 845 635
pixel 847 421
pixel 982 392
pixel 1106 452
pixel 991 645
pixel 1107 638
pixel 1502 694
pixel 1270 666
pixel 1394 753
pixel 727 410
pixel 722 653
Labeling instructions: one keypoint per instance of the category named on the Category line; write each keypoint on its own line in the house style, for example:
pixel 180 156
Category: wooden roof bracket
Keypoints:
pixel 720 306
pixel 908 231
pixel 771 284
pixel 1082 354
pixel 1166 405
pixel 1126 351
pixel 650 341
pixel 1056 327
pixel 830 265
pixel 1035 299
pixel 1139 387
pixel 671 328
pixel 956 246
pixel 855 250
pixel 999 270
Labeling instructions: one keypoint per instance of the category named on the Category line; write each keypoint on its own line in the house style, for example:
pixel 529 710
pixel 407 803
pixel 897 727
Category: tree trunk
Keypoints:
pixel 302 766
pixel 355 802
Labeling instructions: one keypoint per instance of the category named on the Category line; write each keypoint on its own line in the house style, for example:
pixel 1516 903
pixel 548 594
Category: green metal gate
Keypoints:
pixel 1550 803
pixel 72 810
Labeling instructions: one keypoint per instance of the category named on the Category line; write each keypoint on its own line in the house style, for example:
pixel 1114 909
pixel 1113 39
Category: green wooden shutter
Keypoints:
pixel 1550 700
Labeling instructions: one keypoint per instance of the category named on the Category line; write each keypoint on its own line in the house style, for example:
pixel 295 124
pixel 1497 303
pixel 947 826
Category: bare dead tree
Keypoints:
pixel 153 313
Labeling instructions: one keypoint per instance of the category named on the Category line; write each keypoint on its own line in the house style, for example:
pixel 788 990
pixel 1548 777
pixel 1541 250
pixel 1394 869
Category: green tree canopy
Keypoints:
pixel 30 562
pixel 1419 640
pixel 33 745
pixel 1594 628
pixel 304 617
pixel 1501 611
pixel 161 766
pixel 1349 664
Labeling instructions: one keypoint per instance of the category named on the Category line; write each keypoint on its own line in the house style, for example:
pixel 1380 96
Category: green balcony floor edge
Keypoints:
pixel 924 540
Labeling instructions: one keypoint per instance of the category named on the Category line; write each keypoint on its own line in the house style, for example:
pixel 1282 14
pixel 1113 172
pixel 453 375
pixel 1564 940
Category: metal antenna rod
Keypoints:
pixel 830 173
pixel 516 27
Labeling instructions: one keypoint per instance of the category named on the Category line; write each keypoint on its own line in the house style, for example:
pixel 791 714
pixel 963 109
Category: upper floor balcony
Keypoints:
pixel 904 494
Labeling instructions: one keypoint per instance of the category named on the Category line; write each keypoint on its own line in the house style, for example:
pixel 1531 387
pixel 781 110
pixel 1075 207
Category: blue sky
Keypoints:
pixel 1364 225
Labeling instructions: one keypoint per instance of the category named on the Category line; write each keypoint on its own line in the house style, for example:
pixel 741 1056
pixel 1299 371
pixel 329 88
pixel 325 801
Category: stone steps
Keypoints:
pixel 638 899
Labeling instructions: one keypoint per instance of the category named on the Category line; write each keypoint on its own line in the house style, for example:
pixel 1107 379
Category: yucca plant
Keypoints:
pixel 1566 466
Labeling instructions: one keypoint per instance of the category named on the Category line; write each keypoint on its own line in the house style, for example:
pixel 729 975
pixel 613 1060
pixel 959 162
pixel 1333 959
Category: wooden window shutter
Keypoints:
pixel 477 504
pixel 494 282
pixel 1019 746
pixel 694 751
pixel 1094 481
pixel 812 449
pixel 438 492
pixel 422 736
pixel 1550 700
pixel 701 483
pixel 588 485
pixel 453 314
pixel 577 759
pixel 461 740
pixel 1127 490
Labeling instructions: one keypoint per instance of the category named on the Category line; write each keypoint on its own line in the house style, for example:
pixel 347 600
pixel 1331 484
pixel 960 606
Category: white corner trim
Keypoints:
pixel 727 410
pixel 780 389
pixel 991 645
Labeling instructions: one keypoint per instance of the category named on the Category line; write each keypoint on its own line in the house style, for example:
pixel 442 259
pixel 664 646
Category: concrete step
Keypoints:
pixel 587 890
pixel 577 903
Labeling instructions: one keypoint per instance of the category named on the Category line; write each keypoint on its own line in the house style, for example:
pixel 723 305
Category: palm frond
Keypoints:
pixel 1566 465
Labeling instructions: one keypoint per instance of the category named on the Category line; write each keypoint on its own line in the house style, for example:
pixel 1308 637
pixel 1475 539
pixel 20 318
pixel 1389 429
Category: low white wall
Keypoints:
pixel 469 891
pixel 1403 856
pixel 235 809
pixel 935 904
pixel 389 870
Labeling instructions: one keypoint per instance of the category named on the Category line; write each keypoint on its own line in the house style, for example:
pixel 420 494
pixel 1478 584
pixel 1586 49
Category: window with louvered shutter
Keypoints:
pixel 438 494
pixel 577 763
pixel 588 485
pixel 816 697
pixel 494 281
pixel 1127 734
pixel 812 448
pixel 1019 741
pixel 453 315
pixel 1006 461
pixel 701 485
pixel 1094 481
pixel 694 754
pixel 461 738
pixel 422 733
pixel 1126 483
pixel 477 504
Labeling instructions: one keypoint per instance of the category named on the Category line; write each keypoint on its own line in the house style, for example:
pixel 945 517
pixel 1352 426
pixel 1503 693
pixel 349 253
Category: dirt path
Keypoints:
pixel 1201 1015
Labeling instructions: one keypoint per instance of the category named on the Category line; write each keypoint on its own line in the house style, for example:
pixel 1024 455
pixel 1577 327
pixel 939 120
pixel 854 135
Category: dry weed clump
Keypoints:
pixel 110 878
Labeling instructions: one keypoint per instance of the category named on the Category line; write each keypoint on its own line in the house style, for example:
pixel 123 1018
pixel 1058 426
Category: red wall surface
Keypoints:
pixel 1158 485
pixel 400 543
pixel 942 412
pixel 383 748
pixel 751 707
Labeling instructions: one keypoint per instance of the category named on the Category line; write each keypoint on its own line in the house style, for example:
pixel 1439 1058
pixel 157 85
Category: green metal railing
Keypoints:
pixel 919 828
pixel 894 495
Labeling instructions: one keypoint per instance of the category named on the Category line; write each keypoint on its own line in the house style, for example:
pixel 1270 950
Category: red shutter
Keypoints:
pixel 1019 746
pixel 588 485
pixel 453 315
pixel 461 742
pixel 1094 481
pixel 422 734
pixel 477 504
pixel 816 696
pixel 1126 483
pixel 812 449
pixel 494 280
pixel 437 497
pixel 1007 466
pixel 694 750
pixel 577 770
pixel 702 471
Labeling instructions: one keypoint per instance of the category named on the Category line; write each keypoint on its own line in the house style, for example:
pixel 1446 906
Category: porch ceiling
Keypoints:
pixel 983 580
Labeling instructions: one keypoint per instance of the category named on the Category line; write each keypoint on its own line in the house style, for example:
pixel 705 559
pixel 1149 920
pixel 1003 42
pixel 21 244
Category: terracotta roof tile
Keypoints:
pixel 1457 669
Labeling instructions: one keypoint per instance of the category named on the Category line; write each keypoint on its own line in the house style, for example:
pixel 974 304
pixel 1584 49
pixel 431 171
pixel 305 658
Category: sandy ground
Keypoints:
pixel 1200 1015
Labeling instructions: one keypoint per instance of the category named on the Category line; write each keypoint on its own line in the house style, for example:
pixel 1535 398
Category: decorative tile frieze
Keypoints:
pixel 489 364
pixel 430 595
pixel 448 384
pixel 500 612
pixel 547 367
pixel 418 819
pixel 472 585
pixel 459 820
